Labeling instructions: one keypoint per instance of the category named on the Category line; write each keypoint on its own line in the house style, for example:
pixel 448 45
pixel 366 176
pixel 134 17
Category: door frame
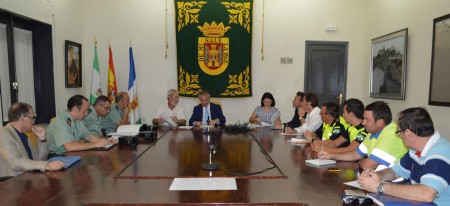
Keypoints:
pixel 307 88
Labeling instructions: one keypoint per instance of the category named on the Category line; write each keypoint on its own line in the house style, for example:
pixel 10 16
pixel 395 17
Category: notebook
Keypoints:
pixel 68 161
pixel 319 162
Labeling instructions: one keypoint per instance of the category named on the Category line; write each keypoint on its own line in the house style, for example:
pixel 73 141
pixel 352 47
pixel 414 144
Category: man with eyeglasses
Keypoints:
pixel 101 108
pixel 67 132
pixel 170 113
pixel 353 111
pixel 17 154
pixel 118 115
pixel 331 133
pixel 427 163
pixel 381 146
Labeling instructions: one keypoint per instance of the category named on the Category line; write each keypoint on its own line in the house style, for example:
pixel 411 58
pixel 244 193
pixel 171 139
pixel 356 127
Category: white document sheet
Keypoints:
pixel 203 184
pixel 171 122
pixel 265 124
pixel 206 126
pixel 298 140
pixel 353 183
pixel 185 127
pixel 286 134
pixel 126 130
pixel 254 125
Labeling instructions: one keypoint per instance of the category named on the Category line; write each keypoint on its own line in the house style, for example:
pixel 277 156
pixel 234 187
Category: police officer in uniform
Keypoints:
pixel 67 132
pixel 331 131
pixel 118 115
pixel 101 108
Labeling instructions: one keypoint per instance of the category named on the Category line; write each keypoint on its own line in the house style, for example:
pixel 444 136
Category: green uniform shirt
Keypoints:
pixel 62 129
pixel 383 147
pixel 92 123
pixel 109 122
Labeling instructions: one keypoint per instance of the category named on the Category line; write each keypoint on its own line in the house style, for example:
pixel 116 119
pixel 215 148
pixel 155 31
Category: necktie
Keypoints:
pixel 206 117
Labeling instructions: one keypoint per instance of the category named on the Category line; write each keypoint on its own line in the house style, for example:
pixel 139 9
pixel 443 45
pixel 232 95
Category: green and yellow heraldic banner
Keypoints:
pixel 214 40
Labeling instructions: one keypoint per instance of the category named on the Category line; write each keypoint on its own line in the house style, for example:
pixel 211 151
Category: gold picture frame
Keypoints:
pixel 73 64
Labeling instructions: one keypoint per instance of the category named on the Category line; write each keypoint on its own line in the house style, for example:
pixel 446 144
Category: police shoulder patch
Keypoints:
pixel 336 130
pixel 360 137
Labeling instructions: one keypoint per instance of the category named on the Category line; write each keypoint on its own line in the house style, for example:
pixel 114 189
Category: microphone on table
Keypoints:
pixel 207 132
pixel 210 165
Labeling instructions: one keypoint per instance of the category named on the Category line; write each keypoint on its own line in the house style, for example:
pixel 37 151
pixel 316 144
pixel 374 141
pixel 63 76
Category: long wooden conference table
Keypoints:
pixel 142 174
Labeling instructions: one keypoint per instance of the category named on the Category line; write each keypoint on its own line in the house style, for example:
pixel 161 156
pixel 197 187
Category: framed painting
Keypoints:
pixel 73 66
pixel 440 63
pixel 388 65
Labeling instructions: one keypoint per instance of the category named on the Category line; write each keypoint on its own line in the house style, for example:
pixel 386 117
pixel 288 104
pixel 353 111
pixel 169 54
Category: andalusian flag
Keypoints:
pixel 135 118
pixel 96 88
pixel 112 85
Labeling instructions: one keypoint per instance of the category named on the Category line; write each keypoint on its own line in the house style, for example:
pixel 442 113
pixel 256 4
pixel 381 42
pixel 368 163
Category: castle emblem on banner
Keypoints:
pixel 213 48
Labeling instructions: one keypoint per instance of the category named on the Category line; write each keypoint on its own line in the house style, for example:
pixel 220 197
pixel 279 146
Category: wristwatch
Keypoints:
pixel 380 188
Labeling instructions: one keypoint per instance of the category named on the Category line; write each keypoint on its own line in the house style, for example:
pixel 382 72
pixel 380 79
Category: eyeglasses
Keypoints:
pixel 397 133
pixel 33 117
pixel 107 108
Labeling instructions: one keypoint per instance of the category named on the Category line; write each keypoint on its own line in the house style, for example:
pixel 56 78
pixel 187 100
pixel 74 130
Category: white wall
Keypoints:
pixel 288 24
pixel 66 18
pixel 385 16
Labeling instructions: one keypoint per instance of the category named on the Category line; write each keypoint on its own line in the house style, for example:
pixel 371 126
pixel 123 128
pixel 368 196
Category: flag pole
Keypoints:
pixel 96 89
pixel 167 38
pixel 262 33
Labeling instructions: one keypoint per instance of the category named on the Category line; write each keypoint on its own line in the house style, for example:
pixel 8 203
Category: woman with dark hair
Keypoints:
pixel 267 113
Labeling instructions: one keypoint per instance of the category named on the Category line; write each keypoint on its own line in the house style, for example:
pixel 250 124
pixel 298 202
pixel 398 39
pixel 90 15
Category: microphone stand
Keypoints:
pixel 207 131
pixel 210 165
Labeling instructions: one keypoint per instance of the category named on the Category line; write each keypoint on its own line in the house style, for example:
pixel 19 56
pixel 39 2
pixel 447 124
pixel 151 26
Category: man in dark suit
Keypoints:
pixel 295 122
pixel 206 111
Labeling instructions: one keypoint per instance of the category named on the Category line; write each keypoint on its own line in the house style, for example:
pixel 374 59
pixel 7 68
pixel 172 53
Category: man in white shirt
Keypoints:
pixel 170 113
pixel 312 121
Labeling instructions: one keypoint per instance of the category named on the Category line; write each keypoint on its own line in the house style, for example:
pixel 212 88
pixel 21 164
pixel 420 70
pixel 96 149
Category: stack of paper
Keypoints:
pixel 299 140
pixel 185 127
pixel 126 130
pixel 265 124
pixel 170 122
pixel 319 162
